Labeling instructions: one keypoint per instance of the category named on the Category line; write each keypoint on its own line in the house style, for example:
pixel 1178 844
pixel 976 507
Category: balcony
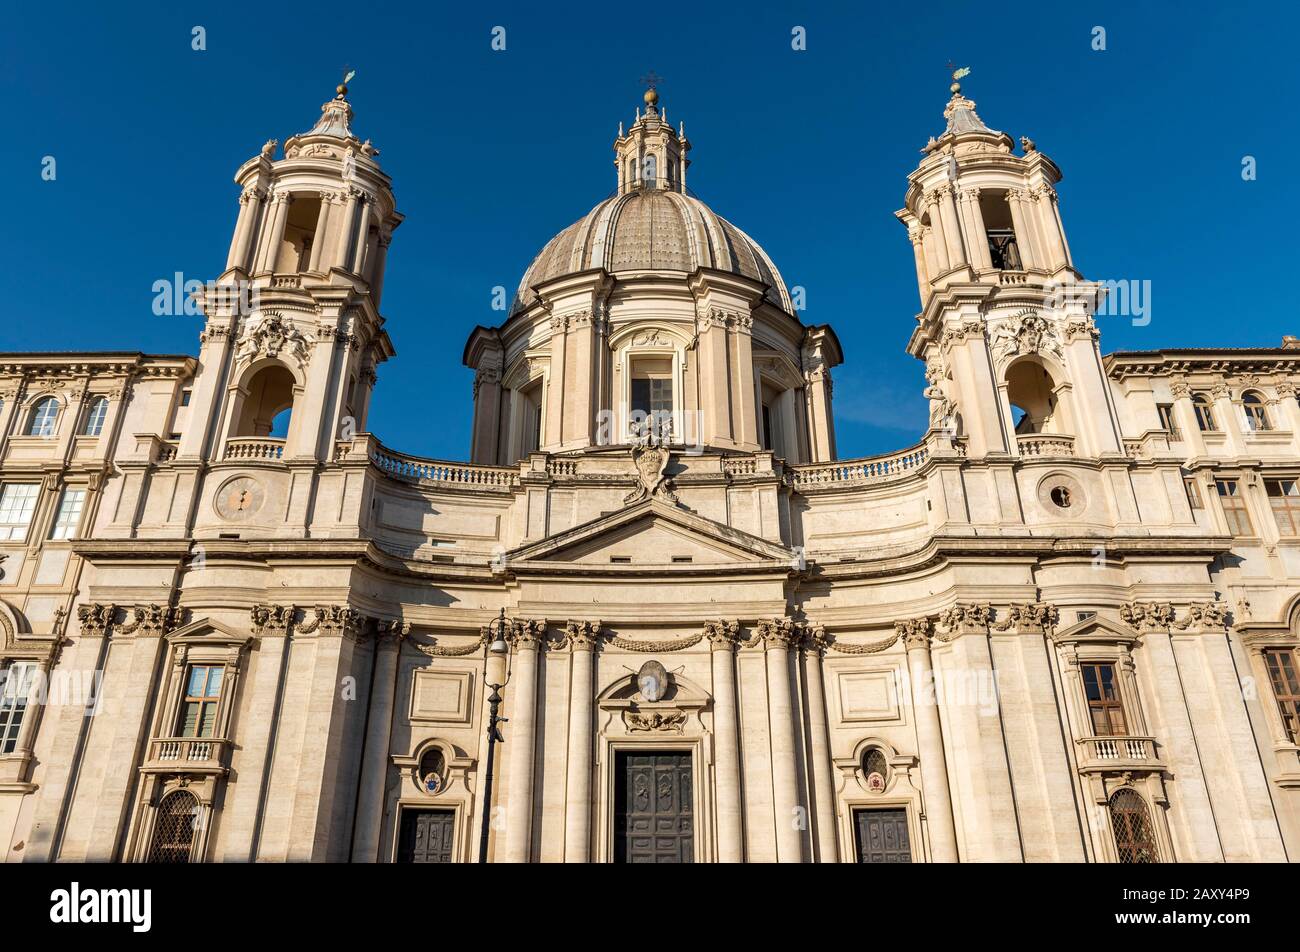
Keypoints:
pixel 194 755
pixel 1034 445
pixel 254 448
pixel 1117 752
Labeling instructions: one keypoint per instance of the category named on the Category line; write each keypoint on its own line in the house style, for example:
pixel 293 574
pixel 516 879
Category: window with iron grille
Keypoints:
pixel 174 828
pixel 1234 507
pixel 1135 841
pixel 202 700
pixel 1105 708
pixel 1281 664
pixel 1284 499
pixel 15 690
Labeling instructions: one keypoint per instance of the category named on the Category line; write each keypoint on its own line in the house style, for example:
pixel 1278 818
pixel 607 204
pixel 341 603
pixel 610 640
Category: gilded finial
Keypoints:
pixel 652 80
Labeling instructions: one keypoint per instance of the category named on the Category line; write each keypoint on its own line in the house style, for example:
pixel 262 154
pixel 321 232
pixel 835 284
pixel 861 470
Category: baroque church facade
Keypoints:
pixel 1062 626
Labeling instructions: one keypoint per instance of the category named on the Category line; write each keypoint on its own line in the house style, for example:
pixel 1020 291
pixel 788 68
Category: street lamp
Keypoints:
pixel 496 675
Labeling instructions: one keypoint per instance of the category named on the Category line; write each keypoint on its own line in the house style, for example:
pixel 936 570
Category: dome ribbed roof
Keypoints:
pixel 652 230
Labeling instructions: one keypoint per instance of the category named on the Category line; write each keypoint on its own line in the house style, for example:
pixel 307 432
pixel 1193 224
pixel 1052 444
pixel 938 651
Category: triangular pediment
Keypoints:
pixel 652 533
pixel 1097 628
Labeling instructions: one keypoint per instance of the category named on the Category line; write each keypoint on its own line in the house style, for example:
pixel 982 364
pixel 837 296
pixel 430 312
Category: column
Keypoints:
pixel 583 636
pixel 1185 414
pixel 381 262
pixel 978 238
pixel 238 241
pixel 929 737
pixel 1050 216
pixel 918 254
pixel 555 390
pixel 951 227
pixel 932 239
pixel 340 258
pixel 362 236
pixel 318 239
pixel 1228 417
pixel 273 234
pixel 744 396
pixel 1017 199
pixel 521 741
pixel 726 741
pixel 487 412
pixel 778 635
pixel 374 764
pixel 814 645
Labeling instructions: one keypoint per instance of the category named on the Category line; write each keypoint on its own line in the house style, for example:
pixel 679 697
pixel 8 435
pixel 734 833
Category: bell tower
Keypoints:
pixel 294 332
pixel 1005 328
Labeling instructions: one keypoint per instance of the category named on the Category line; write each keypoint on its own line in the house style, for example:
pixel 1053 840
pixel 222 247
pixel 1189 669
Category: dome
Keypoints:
pixel 652 229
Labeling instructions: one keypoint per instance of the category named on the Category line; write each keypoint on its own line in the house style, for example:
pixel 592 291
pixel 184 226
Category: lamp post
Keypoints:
pixel 495 676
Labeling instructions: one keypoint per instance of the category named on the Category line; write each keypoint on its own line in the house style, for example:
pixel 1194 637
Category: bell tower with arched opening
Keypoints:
pixel 1005 329
pixel 294 333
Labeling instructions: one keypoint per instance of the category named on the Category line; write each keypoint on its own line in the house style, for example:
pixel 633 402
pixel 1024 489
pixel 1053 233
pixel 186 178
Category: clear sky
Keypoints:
pixel 493 152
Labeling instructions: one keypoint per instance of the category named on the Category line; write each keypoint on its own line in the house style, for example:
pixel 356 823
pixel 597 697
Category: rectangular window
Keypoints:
pixel 1234 507
pixel 1284 499
pixel 1104 706
pixel 202 697
pixel 17 502
pixel 15 688
pixel 1166 411
pixel 69 515
pixel 1286 688
pixel 1193 494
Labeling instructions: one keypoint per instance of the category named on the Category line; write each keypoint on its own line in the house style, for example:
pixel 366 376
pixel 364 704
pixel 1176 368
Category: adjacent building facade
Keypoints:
pixel 1063 626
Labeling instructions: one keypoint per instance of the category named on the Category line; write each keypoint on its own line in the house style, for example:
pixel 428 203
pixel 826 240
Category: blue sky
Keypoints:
pixel 493 152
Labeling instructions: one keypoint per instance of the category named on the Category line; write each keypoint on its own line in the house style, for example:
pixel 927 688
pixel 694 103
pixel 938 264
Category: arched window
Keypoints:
pixel 1256 411
pixel 1204 413
pixel 1135 841
pixel 651 170
pixel 173 831
pixel 1031 391
pixel 94 422
pixel 875 769
pixel 44 417
pixel 268 405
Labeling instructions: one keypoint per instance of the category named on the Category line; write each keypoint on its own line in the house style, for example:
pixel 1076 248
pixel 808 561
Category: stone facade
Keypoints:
pixel 1058 628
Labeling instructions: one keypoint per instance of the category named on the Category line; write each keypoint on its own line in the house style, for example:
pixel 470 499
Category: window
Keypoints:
pixel 652 397
pixel 202 697
pixel 1193 493
pixel 94 424
pixel 1286 688
pixel 17 502
pixel 1256 412
pixel 15 688
pixel 185 396
pixel 651 163
pixel 44 417
pixel 1134 840
pixel 69 514
pixel 174 827
pixel 767 427
pixel 1204 415
pixel 1166 411
pixel 1234 507
pixel 1104 706
pixel 1284 498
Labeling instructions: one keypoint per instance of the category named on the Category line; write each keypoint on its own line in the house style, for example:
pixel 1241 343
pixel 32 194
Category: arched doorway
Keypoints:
pixel 174 828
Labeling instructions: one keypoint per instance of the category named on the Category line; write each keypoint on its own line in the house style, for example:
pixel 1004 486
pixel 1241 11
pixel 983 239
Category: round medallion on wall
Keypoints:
pixel 1062 495
pixel 239 499
pixel 653 681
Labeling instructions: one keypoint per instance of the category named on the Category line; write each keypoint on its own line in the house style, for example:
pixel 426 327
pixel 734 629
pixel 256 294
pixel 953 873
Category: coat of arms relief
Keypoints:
pixel 271 335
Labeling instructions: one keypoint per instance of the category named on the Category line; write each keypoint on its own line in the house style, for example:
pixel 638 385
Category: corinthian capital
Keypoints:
pixel 1029 616
pixel 722 635
pixel 778 632
pixel 1147 616
pixel 967 617
pixel 583 635
pixel 1204 616
pixel 915 632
